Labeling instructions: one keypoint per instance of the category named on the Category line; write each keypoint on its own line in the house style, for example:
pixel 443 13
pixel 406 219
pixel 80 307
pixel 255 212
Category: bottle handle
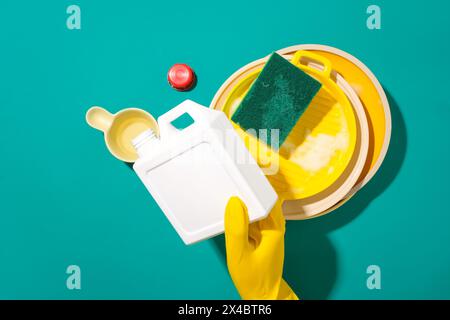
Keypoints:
pixel 193 109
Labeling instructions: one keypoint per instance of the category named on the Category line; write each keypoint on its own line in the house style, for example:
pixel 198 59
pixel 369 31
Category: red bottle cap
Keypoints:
pixel 181 77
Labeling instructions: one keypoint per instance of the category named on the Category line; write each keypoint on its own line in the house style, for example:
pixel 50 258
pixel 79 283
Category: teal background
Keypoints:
pixel 65 200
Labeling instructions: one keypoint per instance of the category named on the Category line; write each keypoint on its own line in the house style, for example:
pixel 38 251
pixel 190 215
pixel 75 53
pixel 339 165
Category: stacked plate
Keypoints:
pixel 340 141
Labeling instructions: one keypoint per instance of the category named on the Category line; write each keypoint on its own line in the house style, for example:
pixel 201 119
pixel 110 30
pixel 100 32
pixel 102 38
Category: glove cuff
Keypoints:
pixel 285 292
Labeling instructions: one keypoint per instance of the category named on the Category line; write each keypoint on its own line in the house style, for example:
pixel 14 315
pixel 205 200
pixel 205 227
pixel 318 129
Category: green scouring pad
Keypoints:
pixel 277 99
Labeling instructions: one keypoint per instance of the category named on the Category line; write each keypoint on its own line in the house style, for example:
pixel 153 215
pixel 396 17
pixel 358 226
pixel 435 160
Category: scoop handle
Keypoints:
pixel 99 118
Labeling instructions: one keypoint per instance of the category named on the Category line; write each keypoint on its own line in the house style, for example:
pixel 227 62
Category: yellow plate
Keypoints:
pixel 373 99
pixel 321 145
pixel 375 103
pixel 315 205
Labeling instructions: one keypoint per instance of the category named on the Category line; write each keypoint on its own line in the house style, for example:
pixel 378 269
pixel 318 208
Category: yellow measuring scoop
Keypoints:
pixel 321 144
pixel 121 128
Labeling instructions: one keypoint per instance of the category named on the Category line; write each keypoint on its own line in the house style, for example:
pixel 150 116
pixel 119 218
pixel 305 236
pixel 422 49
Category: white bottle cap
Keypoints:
pixel 142 139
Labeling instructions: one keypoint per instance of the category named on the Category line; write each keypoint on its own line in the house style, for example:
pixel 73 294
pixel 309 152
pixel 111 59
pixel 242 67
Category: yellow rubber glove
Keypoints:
pixel 255 253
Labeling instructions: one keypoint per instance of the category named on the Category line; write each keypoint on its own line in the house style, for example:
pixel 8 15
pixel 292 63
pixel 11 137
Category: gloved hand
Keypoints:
pixel 255 253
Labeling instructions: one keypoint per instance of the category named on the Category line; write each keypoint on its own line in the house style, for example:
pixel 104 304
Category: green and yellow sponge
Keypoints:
pixel 277 98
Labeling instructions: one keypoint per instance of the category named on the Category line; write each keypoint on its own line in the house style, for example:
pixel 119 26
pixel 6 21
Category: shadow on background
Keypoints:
pixel 129 165
pixel 310 265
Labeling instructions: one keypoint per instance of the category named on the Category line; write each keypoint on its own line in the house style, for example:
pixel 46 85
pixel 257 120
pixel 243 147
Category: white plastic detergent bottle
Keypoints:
pixel 192 172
